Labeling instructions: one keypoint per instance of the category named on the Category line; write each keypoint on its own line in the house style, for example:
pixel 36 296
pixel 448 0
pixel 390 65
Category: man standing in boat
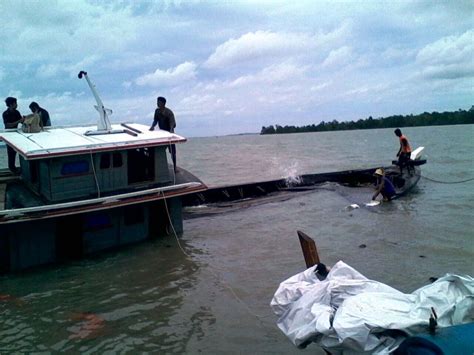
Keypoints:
pixel 11 119
pixel 164 117
pixel 404 152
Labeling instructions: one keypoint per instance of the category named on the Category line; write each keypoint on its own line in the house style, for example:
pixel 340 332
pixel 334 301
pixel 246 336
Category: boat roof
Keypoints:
pixel 62 141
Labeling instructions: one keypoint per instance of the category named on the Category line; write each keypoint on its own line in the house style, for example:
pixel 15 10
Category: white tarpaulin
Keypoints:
pixel 348 313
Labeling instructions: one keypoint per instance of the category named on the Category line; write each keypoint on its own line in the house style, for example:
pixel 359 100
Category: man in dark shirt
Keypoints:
pixel 164 117
pixel 11 119
pixel 45 120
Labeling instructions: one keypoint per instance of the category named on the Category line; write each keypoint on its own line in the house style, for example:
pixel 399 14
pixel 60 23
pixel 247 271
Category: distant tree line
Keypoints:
pixel 424 119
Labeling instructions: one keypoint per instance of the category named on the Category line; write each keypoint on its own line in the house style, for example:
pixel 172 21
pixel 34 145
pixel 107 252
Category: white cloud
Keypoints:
pixel 64 29
pixel 283 72
pixel 449 57
pixel 339 57
pixel 258 44
pixel 174 76
pixel 51 70
pixel 397 53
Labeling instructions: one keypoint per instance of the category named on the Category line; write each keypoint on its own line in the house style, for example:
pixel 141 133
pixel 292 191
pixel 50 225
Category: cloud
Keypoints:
pixel 264 62
pixel 64 29
pixel 174 76
pixel 450 57
pixel 259 44
pixel 338 57
pixel 273 74
pixel 51 70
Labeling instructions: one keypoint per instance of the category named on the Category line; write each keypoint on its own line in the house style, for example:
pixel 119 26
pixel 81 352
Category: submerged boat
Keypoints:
pixel 85 189
pixel 403 180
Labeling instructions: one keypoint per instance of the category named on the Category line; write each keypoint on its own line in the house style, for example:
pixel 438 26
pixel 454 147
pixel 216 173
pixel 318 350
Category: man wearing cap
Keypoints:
pixel 384 186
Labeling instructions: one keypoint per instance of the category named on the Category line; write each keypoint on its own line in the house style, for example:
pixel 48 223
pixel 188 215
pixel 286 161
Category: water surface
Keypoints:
pixel 210 293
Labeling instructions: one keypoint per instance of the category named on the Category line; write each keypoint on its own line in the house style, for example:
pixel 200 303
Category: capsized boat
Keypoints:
pixel 85 189
pixel 403 180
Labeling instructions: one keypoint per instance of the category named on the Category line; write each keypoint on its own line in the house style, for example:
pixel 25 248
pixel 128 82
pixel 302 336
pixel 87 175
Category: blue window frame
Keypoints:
pixel 75 167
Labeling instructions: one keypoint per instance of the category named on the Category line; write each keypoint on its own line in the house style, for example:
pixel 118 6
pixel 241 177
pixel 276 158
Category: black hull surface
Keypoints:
pixel 353 178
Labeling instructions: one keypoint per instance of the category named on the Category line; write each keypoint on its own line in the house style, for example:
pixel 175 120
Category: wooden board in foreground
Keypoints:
pixel 310 251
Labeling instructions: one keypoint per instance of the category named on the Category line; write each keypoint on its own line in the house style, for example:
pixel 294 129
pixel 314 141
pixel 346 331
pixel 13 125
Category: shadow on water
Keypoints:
pixel 118 301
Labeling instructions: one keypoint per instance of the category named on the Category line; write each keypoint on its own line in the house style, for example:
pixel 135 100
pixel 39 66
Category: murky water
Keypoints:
pixel 210 292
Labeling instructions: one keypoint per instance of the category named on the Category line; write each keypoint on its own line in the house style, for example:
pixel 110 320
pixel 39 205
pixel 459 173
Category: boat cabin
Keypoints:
pixel 79 193
pixel 63 164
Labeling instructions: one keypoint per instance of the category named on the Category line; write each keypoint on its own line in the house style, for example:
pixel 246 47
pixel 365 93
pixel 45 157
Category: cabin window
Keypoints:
pixel 75 167
pixel 97 221
pixel 117 160
pixel 141 165
pixel 134 215
pixel 34 171
pixel 105 161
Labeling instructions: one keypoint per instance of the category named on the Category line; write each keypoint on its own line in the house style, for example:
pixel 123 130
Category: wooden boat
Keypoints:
pixel 403 182
pixel 85 189
pixel 409 175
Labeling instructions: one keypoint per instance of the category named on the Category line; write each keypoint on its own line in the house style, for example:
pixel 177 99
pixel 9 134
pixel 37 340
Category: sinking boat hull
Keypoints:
pixel 47 234
pixel 353 178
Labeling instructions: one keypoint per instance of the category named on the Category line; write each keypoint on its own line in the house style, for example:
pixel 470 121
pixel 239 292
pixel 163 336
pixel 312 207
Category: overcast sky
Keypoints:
pixel 234 66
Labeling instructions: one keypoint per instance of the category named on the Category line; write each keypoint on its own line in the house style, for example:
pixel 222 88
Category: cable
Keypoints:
pixel 95 175
pixel 446 182
pixel 172 227
pixel 259 317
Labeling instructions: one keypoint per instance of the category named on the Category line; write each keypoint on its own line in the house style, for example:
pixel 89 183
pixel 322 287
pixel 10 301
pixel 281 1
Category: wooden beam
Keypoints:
pixel 310 251
pixel 3 188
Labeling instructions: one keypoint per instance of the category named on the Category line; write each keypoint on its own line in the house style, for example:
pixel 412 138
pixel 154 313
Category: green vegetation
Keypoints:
pixel 424 119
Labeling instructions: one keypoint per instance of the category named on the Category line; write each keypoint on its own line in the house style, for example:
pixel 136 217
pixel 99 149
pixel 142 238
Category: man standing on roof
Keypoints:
pixel 405 150
pixel 45 120
pixel 164 117
pixel 384 186
pixel 11 119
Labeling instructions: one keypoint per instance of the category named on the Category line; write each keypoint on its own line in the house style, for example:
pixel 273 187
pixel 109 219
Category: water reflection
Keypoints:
pixel 134 294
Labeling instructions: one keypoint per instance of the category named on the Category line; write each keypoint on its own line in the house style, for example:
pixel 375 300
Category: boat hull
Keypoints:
pixel 48 240
pixel 45 234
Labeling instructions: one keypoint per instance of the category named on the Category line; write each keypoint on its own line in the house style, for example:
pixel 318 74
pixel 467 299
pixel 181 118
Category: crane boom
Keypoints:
pixel 104 122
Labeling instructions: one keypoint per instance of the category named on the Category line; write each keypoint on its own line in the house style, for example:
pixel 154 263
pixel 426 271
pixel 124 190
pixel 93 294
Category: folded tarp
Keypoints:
pixel 348 313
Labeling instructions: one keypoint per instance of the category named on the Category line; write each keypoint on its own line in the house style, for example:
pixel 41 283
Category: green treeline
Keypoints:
pixel 424 119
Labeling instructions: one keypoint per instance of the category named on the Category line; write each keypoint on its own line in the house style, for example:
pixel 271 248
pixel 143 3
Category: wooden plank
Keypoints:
pixel 310 251
pixel 3 188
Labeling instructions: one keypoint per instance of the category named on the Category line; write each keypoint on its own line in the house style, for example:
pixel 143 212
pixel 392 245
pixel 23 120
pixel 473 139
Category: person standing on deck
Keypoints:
pixel 404 152
pixel 45 120
pixel 11 119
pixel 164 117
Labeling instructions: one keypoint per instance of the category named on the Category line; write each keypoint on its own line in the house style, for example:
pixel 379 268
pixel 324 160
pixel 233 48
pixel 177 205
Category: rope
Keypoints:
pixel 446 182
pixel 226 285
pixel 95 175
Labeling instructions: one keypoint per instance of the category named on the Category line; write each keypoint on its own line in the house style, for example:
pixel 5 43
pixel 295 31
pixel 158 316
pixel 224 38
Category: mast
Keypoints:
pixel 103 125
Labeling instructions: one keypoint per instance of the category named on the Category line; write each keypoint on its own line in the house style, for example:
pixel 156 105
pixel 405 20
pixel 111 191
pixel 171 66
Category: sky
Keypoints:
pixel 230 67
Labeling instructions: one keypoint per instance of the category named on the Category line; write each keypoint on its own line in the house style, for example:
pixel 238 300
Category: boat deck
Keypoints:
pixel 63 141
